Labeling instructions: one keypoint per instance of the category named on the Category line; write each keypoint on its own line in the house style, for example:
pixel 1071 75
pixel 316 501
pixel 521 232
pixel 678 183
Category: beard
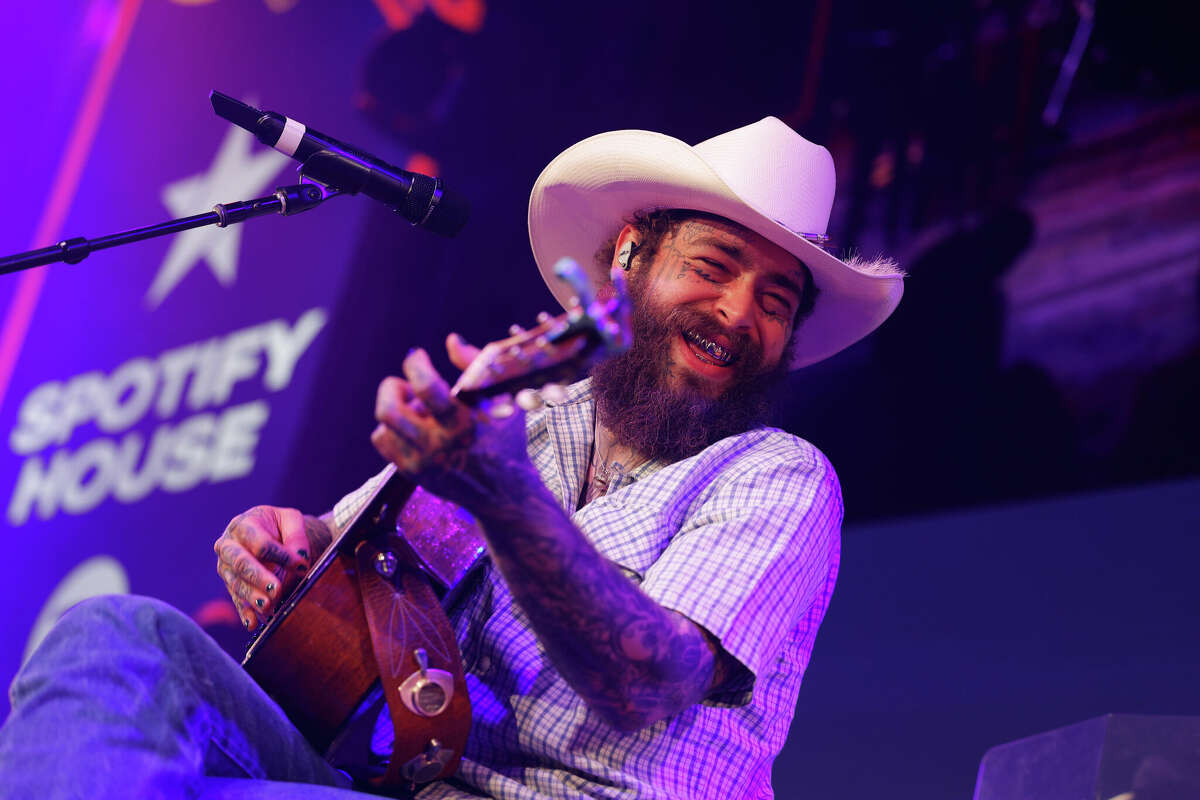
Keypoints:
pixel 637 403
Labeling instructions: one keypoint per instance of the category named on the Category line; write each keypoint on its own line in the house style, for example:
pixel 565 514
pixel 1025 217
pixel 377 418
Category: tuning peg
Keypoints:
pixel 617 332
pixel 612 334
pixel 515 330
pixel 568 269
pixel 502 407
pixel 554 393
pixel 543 317
pixel 529 400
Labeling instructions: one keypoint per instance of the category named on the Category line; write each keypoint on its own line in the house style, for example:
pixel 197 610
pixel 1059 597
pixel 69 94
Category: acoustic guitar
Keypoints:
pixel 367 622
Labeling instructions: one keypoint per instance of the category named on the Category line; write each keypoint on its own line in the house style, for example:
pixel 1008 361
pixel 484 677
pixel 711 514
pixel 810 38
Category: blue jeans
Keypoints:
pixel 128 698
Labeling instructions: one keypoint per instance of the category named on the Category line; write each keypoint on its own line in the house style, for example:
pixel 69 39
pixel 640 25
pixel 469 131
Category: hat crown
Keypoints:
pixel 785 176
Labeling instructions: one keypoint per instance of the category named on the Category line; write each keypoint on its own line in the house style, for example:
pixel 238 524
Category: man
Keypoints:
pixel 658 563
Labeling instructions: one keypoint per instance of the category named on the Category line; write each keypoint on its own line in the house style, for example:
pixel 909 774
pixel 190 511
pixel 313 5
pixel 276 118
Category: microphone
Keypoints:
pixel 420 199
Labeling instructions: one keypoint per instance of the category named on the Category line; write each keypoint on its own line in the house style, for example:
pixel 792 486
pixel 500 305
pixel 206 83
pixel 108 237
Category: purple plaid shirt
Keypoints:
pixel 742 538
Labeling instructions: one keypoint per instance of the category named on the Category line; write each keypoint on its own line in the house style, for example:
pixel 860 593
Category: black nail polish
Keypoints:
pixel 303 552
pixel 245 623
pixel 270 587
pixel 258 601
pixel 302 568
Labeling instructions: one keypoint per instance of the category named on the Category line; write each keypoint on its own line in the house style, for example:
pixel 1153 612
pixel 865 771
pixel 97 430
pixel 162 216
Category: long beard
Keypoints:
pixel 636 402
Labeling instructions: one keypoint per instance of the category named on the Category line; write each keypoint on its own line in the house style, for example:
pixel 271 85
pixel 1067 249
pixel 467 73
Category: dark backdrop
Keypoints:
pixel 1020 483
pixel 951 631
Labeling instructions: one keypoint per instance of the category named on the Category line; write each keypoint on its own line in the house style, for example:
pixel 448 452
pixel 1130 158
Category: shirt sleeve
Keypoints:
pixel 348 507
pixel 755 556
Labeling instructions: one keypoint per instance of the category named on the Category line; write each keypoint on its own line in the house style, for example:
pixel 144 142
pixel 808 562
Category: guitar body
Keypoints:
pixel 317 662
pixel 369 604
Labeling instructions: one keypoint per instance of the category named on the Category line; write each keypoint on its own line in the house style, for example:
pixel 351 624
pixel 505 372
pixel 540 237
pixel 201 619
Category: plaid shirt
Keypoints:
pixel 742 538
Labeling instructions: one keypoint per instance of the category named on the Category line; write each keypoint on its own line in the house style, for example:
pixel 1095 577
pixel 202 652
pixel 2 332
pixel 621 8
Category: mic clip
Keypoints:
pixel 342 173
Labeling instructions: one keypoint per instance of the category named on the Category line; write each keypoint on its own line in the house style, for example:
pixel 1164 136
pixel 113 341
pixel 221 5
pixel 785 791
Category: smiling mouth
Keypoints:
pixel 708 351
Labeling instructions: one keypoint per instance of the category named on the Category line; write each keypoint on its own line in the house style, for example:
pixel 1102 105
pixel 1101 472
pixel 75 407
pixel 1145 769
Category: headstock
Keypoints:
pixel 558 348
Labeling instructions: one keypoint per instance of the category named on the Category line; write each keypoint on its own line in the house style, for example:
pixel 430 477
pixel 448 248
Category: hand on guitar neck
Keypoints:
pixel 458 452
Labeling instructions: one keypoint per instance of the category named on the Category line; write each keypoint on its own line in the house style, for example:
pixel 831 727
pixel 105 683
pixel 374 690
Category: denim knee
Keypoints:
pixel 120 611
pixel 112 623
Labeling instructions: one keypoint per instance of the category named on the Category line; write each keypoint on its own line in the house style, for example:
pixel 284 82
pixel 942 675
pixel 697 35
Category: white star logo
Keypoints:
pixel 235 175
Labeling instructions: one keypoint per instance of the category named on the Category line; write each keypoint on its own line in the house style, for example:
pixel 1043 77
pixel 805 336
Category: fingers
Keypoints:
pixel 259 559
pixel 461 353
pixel 402 434
pixel 294 538
pixel 419 407
pixel 245 580
pixel 427 385
pixel 421 423
pixel 399 409
pixel 396 449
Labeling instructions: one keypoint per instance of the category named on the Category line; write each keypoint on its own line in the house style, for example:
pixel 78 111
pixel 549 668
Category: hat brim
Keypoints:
pixel 582 196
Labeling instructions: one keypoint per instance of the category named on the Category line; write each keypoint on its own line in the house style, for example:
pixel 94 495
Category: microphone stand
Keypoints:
pixel 286 200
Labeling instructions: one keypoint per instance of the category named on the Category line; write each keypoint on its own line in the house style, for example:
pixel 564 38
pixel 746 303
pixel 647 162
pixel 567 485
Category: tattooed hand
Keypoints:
pixel 263 553
pixel 471 457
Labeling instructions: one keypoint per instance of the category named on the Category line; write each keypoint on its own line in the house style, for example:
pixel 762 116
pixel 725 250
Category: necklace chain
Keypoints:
pixel 603 476
pixel 605 470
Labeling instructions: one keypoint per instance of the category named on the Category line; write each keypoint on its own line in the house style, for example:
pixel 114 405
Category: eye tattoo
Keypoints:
pixel 705 269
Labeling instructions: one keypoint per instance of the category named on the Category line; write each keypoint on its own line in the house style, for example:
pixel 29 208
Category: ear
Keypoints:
pixel 628 236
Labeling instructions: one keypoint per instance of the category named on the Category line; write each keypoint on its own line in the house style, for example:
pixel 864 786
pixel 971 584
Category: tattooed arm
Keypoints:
pixel 633 661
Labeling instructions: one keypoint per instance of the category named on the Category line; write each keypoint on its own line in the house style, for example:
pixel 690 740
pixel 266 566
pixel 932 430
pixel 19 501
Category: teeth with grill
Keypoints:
pixel 712 348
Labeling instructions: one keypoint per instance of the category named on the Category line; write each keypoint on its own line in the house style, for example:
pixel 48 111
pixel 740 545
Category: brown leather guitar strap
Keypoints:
pixel 420 666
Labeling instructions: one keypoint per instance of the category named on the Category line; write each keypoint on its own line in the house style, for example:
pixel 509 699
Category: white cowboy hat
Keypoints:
pixel 764 176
